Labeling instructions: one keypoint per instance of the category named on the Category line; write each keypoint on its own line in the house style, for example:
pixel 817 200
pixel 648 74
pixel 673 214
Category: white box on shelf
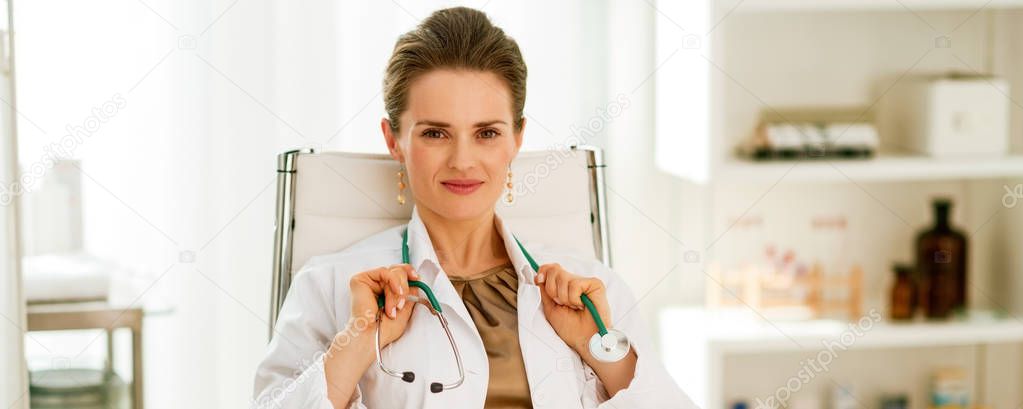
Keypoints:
pixel 948 116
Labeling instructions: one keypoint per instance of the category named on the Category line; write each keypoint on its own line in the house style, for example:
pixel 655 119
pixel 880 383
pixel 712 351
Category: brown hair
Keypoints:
pixel 455 38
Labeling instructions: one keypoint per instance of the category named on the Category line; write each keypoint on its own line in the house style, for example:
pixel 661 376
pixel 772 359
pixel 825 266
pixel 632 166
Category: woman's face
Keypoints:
pixel 456 138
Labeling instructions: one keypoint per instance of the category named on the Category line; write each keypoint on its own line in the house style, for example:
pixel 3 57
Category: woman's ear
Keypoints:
pixel 391 138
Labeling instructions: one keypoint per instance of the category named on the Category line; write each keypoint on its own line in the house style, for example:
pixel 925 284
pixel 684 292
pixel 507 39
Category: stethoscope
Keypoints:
pixel 607 345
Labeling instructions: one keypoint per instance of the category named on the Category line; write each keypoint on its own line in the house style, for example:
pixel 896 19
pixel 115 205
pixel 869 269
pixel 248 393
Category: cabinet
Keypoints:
pixel 719 64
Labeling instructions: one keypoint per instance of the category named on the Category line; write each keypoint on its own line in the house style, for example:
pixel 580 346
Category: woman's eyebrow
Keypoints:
pixel 432 123
pixel 488 123
pixel 440 124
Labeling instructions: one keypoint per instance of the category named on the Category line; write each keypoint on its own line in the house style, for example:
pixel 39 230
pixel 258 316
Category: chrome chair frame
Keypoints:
pixel 284 220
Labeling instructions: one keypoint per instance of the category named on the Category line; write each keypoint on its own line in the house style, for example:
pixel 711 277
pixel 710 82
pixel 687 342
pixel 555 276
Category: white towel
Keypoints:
pixel 66 277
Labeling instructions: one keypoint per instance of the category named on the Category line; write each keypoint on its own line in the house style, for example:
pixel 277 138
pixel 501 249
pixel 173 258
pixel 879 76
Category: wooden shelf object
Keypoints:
pixel 764 289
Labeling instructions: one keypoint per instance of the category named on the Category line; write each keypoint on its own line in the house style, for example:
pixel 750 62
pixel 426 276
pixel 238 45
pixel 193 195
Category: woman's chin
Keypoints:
pixel 464 208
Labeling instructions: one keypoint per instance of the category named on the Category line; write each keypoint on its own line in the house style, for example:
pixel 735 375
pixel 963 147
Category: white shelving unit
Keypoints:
pixel 737 332
pixel 723 62
pixel 708 338
pixel 708 96
pixel 881 168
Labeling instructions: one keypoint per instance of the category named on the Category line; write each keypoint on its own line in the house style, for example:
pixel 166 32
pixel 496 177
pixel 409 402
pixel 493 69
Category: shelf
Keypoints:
pixel 881 168
pixel 767 6
pixel 740 332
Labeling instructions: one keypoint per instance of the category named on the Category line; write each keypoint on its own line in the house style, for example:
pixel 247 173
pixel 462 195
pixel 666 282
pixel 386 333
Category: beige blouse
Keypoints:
pixel 491 298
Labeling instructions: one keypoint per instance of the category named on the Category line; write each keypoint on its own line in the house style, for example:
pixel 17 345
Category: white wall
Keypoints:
pixel 654 217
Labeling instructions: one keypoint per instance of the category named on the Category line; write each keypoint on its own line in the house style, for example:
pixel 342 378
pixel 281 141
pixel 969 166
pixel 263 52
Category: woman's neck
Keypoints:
pixel 464 247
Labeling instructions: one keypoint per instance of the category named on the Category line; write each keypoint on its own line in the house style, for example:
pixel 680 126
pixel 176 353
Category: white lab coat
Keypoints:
pixel 318 307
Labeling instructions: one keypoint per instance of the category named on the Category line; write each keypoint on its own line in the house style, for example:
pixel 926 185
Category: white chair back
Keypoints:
pixel 327 201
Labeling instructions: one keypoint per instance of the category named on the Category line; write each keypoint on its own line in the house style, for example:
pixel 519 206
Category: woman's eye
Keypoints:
pixel 489 133
pixel 433 133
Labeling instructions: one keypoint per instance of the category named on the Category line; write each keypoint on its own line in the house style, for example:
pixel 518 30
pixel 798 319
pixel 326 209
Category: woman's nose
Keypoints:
pixel 463 155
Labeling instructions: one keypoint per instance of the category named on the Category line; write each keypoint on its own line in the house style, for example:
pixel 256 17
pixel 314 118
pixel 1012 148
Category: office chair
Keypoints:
pixel 327 201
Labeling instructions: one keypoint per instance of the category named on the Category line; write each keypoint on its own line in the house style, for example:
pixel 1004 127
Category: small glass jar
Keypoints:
pixel 903 294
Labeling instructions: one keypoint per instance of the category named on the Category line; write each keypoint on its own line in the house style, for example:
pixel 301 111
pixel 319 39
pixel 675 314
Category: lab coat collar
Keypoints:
pixel 536 337
pixel 518 259
pixel 421 248
pixel 424 260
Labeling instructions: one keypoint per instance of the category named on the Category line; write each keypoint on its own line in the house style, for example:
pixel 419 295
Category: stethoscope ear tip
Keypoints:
pixel 408 376
pixel 436 387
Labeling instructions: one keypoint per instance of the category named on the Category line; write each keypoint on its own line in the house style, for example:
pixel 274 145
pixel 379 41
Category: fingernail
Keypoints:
pixel 539 277
pixel 401 303
pixel 393 314
pixel 401 291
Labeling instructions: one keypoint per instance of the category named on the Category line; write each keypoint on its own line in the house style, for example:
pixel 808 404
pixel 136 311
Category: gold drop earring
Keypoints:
pixel 510 198
pixel 401 185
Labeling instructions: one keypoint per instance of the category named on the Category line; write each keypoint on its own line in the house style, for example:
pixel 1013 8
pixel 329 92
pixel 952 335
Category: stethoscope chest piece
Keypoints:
pixel 610 347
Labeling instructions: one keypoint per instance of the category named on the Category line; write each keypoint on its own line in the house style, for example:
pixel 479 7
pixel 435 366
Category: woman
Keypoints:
pixel 454 93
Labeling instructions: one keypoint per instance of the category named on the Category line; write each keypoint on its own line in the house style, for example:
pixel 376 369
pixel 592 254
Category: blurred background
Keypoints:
pixel 817 203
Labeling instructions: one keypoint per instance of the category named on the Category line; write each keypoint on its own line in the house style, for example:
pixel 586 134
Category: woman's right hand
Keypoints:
pixel 392 283
pixel 353 349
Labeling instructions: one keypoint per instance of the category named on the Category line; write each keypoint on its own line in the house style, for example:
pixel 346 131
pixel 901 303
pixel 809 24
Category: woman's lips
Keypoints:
pixel 462 187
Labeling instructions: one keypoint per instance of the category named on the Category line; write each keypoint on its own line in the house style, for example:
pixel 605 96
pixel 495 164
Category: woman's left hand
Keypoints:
pixel 560 291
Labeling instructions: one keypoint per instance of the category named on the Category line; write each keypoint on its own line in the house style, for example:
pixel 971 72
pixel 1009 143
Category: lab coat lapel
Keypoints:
pixel 470 344
pixel 529 295
pixel 550 363
pixel 424 260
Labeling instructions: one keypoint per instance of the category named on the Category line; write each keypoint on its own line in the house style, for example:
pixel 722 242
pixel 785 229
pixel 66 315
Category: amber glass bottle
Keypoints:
pixel 903 294
pixel 941 263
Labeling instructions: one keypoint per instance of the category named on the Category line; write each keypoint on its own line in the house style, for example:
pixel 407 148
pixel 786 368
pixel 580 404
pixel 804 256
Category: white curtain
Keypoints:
pixel 14 387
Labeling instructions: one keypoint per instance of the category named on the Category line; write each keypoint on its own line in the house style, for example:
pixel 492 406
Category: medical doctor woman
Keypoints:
pixel 454 93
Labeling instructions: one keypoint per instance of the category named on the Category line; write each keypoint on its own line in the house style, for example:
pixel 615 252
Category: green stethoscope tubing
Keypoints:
pixel 601 328
pixel 413 283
